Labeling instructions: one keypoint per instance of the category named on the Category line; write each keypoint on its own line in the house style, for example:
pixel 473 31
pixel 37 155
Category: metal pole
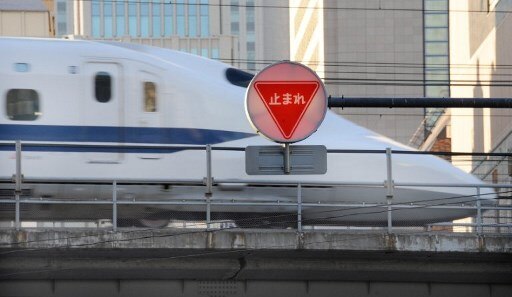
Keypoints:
pixel 287 165
pixel 209 179
pixel 209 185
pixel 114 206
pixel 208 213
pixel 478 212
pixel 389 185
pixel 345 102
pixel 18 166
pixel 17 215
pixel 18 181
pixel 299 207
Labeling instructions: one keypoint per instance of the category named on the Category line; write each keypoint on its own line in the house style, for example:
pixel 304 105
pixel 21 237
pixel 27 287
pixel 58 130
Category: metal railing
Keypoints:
pixel 502 217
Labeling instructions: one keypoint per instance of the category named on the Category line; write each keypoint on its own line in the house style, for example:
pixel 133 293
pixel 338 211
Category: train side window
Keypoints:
pixel 103 87
pixel 150 103
pixel 22 105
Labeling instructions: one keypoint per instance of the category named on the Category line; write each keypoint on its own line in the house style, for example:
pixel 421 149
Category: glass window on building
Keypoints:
pixel 436 34
pixel 107 19
pixel 436 19
pixel 120 19
pixel 103 87
pixel 62 26
pixel 96 19
pixel 132 18
pixel 436 48
pixel 168 19
pixel 235 17
pixel 436 59
pixel 205 22
pixel 215 53
pixel 180 18
pixel 144 19
pixel 433 5
pixel 204 52
pixel 61 7
pixel 150 99
pixel 192 18
pixel 22 105
pixel 156 18
pixel 250 33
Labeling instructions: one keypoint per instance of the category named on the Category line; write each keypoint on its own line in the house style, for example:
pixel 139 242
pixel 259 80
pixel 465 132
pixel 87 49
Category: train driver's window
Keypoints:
pixel 22 105
pixel 150 104
pixel 103 87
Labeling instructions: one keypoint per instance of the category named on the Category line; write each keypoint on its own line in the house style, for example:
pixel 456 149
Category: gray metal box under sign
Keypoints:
pixel 269 160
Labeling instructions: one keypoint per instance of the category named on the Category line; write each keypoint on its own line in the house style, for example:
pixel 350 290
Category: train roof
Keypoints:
pixel 161 57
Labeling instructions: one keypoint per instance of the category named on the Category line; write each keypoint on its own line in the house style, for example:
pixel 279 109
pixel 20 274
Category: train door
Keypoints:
pixel 149 97
pixel 103 111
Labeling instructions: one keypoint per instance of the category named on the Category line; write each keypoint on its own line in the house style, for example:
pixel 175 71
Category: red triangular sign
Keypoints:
pixel 286 101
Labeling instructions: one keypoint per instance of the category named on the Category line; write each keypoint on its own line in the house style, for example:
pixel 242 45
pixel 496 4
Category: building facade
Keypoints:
pixel 241 33
pixel 368 48
pixel 480 60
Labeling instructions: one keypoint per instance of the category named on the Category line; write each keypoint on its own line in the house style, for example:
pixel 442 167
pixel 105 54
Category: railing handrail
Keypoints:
pixel 208 182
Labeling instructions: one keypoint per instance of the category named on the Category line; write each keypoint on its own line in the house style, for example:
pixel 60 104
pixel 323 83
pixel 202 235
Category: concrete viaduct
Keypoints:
pixel 253 262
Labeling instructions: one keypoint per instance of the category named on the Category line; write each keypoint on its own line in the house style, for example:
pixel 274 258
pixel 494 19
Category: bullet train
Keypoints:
pixel 87 112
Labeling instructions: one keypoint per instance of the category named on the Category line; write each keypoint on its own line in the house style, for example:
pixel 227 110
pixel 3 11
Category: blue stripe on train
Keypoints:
pixel 163 136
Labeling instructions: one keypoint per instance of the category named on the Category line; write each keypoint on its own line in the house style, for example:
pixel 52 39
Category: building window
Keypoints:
pixel 156 18
pixel 103 87
pixel 436 56
pixel 61 7
pixel 168 20
pixel 144 19
pixel 205 22
pixel 150 97
pixel 235 17
pixel 108 19
pixel 192 18
pixel 120 19
pixel 132 19
pixel 96 19
pixel 215 53
pixel 180 18
pixel 22 105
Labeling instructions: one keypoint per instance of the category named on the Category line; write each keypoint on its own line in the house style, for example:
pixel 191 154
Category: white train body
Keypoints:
pixel 195 105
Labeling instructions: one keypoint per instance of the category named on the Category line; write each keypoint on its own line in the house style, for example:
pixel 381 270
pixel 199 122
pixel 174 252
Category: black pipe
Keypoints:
pixel 344 102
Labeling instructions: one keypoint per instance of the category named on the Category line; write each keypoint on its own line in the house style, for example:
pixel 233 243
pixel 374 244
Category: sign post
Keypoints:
pixel 286 102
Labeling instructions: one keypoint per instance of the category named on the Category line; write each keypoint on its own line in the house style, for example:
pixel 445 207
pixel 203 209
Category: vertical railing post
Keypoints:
pixel 209 185
pixel 114 206
pixel 17 189
pixel 478 212
pixel 299 207
pixel 389 186
pixel 286 157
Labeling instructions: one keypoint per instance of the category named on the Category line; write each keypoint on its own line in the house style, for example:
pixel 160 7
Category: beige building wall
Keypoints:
pixel 365 52
pixel 480 52
pixel 30 19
